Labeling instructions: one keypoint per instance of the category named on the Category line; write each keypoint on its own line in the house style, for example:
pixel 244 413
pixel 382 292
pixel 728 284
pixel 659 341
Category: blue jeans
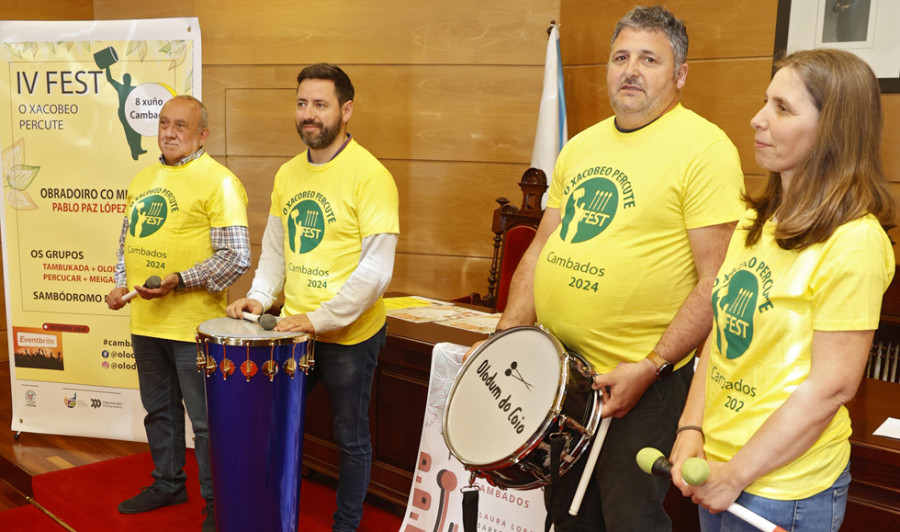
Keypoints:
pixel 821 512
pixel 167 374
pixel 347 372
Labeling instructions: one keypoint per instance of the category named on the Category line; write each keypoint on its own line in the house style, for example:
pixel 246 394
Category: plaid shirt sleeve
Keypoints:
pixel 230 259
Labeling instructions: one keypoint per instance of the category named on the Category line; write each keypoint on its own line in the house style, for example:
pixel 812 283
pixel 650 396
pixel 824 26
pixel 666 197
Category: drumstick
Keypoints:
pixel 696 472
pixel 152 282
pixel 591 462
pixel 266 321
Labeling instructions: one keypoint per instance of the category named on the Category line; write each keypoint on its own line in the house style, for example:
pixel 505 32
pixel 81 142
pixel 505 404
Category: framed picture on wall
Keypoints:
pixel 867 28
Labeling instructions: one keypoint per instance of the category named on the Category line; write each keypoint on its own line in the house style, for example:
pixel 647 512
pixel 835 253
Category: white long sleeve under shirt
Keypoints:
pixel 361 290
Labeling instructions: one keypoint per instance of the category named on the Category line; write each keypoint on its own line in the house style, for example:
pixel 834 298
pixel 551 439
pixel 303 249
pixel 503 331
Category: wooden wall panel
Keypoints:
pixel 730 107
pixel 465 113
pixel 128 9
pixel 387 32
pixel 891 141
pixel 440 277
pixel 46 10
pixel 446 208
pixel 258 176
pixel 742 28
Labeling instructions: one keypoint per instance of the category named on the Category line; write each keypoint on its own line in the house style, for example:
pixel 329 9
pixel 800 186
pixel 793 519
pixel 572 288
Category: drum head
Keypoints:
pixel 230 331
pixel 503 395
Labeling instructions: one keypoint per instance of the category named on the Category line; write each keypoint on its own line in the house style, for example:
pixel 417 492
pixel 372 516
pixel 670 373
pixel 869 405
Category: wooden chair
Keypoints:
pixel 514 229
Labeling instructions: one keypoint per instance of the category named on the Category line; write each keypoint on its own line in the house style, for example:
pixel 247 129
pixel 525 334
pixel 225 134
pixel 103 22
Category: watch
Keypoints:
pixel 180 286
pixel 663 367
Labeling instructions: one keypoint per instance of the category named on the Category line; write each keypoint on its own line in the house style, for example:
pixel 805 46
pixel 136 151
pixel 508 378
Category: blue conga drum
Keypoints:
pixel 255 386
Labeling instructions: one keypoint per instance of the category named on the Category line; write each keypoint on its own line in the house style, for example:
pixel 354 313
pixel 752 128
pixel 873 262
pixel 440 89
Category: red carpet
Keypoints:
pixel 27 519
pixel 86 497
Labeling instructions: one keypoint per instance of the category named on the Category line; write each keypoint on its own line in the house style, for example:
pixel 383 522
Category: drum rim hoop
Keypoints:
pixel 257 341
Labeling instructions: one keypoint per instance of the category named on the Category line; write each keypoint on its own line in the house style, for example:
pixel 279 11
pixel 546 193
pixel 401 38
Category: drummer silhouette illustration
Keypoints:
pixel 105 59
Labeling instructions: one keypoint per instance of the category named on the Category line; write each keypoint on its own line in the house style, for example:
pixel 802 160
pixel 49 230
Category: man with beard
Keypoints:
pixel 329 244
pixel 638 218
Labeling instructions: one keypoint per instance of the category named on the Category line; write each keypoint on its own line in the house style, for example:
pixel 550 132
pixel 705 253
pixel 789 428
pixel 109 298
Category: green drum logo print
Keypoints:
pixel 733 312
pixel 306 226
pixel 589 210
pixel 148 215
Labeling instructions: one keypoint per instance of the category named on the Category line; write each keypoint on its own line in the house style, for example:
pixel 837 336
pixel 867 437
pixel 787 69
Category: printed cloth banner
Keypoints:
pixel 435 500
pixel 79 106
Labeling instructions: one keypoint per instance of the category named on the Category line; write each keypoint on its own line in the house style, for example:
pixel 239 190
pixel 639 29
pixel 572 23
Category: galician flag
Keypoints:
pixel 552 131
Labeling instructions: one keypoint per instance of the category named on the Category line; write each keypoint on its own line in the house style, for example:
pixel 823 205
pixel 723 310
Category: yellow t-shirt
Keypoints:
pixel 767 302
pixel 171 210
pixel 326 211
pixel 612 276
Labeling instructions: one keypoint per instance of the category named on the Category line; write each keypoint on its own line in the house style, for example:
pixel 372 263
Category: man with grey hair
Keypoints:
pixel 639 215
pixel 186 223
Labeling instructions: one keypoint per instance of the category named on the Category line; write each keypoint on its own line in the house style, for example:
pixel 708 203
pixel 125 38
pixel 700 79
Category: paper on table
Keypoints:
pixel 889 429
pixel 481 323
pixel 394 303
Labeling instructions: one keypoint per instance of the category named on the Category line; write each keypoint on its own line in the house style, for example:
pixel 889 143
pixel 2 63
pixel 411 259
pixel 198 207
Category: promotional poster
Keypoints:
pixel 79 108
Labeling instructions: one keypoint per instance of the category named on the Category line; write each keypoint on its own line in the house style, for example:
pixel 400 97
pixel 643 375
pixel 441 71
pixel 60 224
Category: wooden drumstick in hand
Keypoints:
pixel 152 282
pixel 591 462
pixel 695 472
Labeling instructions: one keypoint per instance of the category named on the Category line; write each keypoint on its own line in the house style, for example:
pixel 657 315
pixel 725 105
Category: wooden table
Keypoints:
pixel 396 411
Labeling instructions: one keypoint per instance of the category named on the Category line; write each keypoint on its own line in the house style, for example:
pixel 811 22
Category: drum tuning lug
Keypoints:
pixel 210 366
pixel 290 367
pixel 201 359
pixel 227 368
pixel 248 369
pixel 270 369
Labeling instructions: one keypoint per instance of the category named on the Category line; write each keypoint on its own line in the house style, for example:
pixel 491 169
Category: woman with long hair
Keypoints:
pixel 796 303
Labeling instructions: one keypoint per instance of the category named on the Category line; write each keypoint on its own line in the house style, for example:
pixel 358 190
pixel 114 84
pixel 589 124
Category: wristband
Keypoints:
pixel 689 427
pixel 180 286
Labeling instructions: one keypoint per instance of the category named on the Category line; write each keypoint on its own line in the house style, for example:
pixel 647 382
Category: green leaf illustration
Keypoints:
pixel 14 48
pixel 172 48
pixel 13 155
pixel 20 200
pixel 139 47
pixel 21 175
pixel 189 82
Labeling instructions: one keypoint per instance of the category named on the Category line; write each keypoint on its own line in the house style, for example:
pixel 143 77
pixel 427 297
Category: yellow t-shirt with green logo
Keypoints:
pixel 326 211
pixel 767 302
pixel 171 210
pixel 611 278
